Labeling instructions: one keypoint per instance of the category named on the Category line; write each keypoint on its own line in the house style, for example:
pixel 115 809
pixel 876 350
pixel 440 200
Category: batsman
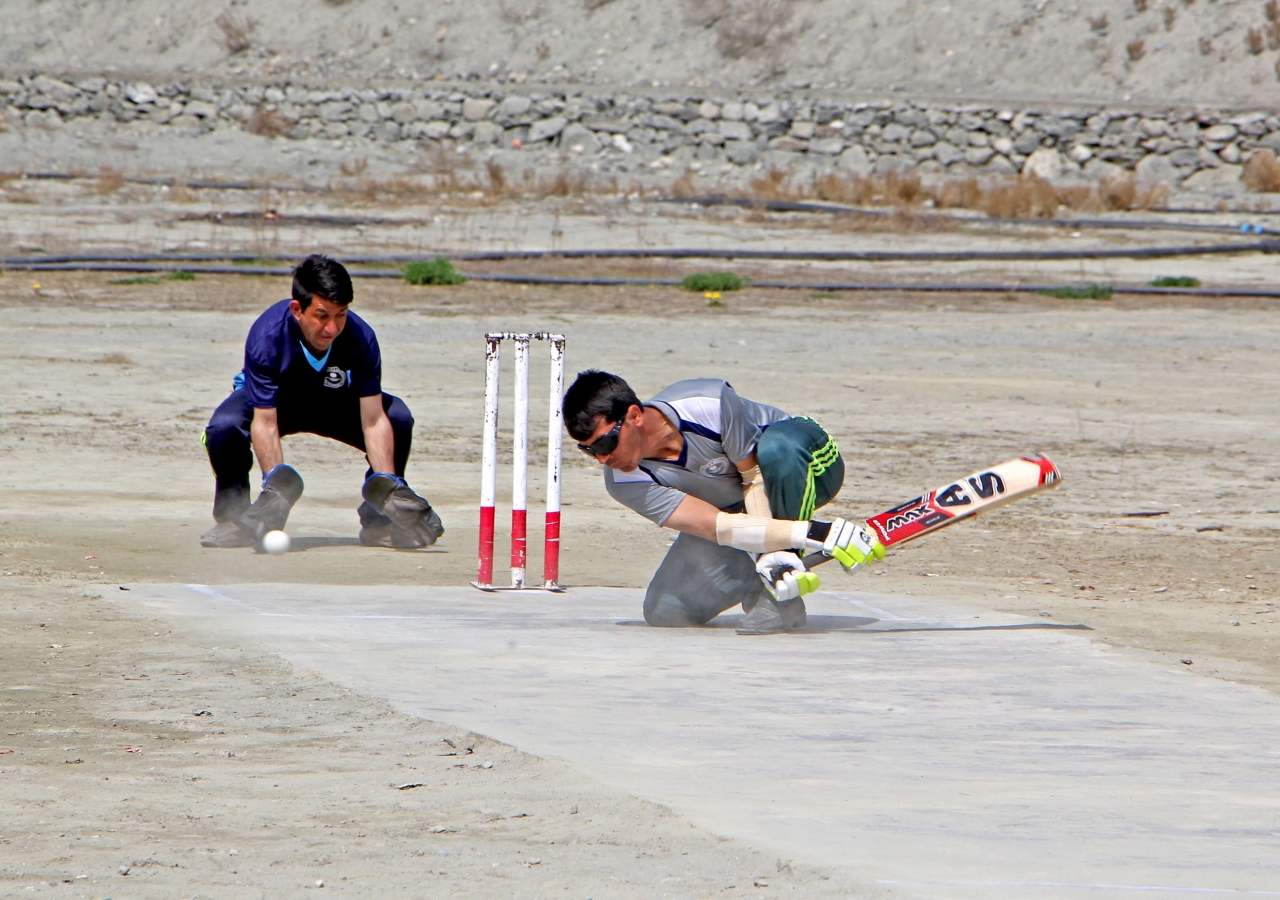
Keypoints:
pixel 311 365
pixel 738 479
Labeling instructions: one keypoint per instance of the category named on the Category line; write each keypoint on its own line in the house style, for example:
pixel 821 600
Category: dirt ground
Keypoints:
pixel 1159 412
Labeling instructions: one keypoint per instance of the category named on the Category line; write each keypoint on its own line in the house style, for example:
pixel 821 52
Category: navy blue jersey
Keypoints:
pixel 278 372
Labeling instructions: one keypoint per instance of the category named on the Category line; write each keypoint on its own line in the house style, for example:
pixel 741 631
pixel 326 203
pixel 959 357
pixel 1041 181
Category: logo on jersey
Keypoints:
pixel 717 466
pixel 335 377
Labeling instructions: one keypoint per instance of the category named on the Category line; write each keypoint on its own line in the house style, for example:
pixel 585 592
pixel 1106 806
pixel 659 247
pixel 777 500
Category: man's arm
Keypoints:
pixel 698 517
pixel 694 516
pixel 264 432
pixel 379 439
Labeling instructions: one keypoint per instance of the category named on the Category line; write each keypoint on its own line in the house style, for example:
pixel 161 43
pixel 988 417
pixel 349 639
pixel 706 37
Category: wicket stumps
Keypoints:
pixel 520 461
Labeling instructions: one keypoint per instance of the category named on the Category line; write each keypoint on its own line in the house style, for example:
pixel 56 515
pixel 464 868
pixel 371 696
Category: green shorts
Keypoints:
pixel 801 466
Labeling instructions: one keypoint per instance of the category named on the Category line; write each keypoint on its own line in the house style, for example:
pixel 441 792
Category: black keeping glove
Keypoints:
pixel 280 490
pixel 408 512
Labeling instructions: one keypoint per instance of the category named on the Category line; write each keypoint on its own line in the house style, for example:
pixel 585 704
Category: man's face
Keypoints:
pixel 627 455
pixel 321 322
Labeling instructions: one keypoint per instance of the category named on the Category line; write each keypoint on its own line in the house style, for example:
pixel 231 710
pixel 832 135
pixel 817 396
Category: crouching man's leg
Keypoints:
pixel 393 514
pixel 697 581
pixel 801 467
pixel 802 470
pixel 402 427
pixel 226 440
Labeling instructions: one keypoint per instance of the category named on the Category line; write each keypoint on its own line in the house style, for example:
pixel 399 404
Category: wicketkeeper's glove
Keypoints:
pixel 410 513
pixel 784 575
pixel 851 544
pixel 281 488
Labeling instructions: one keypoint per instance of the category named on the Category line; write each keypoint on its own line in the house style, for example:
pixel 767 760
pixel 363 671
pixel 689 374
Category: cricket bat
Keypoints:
pixel 983 490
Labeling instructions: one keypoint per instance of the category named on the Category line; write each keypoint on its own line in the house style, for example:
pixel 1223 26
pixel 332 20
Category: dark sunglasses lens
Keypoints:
pixel 604 445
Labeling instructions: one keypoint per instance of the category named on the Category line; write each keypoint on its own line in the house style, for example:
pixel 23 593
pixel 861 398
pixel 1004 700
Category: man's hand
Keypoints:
pixel 280 490
pixel 851 544
pixel 410 513
pixel 784 575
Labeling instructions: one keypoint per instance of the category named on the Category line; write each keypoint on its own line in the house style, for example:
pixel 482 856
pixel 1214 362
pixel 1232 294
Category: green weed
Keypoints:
pixel 1175 281
pixel 432 271
pixel 1088 292
pixel 712 281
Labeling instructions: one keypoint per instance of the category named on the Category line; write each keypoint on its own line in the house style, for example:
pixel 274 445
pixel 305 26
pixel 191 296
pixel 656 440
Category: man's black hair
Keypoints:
pixel 322 276
pixel 592 394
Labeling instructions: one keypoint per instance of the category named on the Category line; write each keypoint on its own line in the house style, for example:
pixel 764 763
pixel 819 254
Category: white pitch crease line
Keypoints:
pixel 210 592
pixel 887 616
pixel 1083 886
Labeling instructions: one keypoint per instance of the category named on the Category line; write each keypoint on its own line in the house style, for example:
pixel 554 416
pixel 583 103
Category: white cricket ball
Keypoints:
pixel 274 542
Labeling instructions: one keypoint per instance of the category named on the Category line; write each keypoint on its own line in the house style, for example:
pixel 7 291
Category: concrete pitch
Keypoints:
pixel 939 752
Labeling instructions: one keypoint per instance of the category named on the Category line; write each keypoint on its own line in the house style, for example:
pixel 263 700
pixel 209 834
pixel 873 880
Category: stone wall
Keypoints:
pixel 633 131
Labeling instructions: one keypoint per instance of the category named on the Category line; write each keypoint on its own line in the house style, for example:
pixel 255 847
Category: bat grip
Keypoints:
pixel 813 560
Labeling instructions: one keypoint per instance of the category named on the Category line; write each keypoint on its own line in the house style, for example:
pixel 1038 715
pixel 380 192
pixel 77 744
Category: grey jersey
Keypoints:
pixel 719 428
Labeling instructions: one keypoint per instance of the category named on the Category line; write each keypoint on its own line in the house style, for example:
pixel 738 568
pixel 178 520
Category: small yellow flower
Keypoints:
pixel 712 295
pixel 36 287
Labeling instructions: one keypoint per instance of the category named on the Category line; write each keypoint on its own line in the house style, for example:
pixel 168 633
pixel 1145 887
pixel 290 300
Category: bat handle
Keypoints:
pixel 813 560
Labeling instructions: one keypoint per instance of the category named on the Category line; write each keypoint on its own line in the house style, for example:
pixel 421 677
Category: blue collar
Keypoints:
pixel 316 363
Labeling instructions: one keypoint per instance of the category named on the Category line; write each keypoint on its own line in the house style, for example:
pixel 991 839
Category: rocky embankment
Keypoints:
pixel 795 132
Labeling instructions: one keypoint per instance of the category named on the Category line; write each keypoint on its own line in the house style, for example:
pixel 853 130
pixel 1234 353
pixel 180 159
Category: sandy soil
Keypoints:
pixel 1162 52
pixel 1149 406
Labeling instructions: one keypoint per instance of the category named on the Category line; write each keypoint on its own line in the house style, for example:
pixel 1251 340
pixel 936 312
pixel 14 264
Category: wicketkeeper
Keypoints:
pixel 311 365
pixel 738 479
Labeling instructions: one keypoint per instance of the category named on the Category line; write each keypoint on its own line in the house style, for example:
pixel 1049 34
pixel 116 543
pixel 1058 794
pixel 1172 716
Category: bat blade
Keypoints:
pixel 983 490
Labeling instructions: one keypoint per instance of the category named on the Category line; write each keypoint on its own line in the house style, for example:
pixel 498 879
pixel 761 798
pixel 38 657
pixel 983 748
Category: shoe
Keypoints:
pixel 388 535
pixel 226 535
pixel 769 616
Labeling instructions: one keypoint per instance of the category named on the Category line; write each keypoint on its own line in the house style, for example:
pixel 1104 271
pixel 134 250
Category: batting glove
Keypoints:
pixel 784 575
pixel 851 544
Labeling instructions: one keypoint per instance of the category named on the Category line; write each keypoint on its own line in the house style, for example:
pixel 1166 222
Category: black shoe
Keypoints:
pixel 769 616
pixel 388 535
pixel 226 535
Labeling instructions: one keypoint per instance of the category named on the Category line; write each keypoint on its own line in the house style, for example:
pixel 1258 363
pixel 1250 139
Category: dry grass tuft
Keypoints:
pixel 237 31
pixel 1262 172
pixel 269 122
pixel 353 168
pixel 115 359
pixel 1100 23
pixel 109 181
pixel 1206 46
pixel 1136 49
pixel 1020 197
pixel 1170 16
pixel 1254 41
pixel 752 24
pixel 1140 5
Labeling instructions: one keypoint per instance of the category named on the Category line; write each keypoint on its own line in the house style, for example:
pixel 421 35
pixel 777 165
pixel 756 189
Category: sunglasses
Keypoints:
pixel 603 445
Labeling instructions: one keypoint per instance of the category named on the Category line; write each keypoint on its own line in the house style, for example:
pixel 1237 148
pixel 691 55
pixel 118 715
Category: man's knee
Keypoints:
pixel 398 413
pixel 228 426
pixel 665 610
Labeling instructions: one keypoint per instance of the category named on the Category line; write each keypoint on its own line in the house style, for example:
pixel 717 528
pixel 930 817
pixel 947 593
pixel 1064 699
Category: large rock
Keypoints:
pixel 577 138
pixel 473 109
pixel 1045 163
pixel 889 163
pixel 946 153
pixel 514 106
pixel 1155 169
pixel 827 146
pixel 735 130
pixel 546 129
pixel 1222 180
pixel 1218 134
pixel 742 153
pixel 855 162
